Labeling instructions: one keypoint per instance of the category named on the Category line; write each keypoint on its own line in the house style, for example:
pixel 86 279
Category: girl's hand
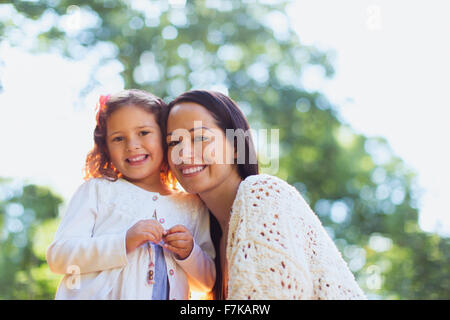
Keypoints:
pixel 143 231
pixel 178 239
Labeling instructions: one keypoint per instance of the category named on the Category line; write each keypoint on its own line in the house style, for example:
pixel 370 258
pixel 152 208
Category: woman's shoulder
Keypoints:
pixel 265 210
pixel 262 194
pixel 266 184
pixel 264 179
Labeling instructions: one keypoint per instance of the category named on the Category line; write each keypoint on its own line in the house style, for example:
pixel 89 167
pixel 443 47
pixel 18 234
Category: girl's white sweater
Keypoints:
pixel 90 250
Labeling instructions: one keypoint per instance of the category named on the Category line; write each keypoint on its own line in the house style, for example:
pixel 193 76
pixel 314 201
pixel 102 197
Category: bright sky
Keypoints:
pixel 392 78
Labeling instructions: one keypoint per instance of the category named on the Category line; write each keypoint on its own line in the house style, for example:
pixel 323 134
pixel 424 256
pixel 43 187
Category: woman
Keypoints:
pixel 271 244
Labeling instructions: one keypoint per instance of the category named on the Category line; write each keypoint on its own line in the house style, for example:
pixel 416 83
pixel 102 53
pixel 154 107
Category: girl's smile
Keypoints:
pixel 137 160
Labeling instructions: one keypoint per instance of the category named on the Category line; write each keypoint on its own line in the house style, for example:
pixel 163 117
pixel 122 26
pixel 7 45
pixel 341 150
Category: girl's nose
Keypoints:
pixel 133 144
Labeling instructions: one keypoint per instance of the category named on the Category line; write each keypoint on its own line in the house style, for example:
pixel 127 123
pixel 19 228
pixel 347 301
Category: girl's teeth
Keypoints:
pixel 137 159
pixel 192 170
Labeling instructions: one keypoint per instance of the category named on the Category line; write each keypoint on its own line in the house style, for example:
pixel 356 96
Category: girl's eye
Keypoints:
pixel 144 133
pixel 117 139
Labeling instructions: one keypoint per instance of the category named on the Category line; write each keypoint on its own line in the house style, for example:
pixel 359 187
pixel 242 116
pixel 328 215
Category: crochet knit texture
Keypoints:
pixel 278 249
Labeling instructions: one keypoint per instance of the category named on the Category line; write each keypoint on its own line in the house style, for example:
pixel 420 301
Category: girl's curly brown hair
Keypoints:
pixel 98 163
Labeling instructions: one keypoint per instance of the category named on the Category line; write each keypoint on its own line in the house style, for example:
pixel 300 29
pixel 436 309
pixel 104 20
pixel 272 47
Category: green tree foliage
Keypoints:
pixel 364 195
pixel 27 216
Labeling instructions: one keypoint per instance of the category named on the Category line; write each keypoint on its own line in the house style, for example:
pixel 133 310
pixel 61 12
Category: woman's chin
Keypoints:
pixel 192 185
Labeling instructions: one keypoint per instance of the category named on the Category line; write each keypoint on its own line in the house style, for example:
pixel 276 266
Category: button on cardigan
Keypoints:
pixel 90 244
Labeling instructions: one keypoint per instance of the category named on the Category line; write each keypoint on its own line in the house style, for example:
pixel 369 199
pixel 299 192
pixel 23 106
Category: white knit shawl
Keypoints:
pixel 278 249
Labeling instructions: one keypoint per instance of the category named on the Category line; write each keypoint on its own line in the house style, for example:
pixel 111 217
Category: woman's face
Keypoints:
pixel 199 154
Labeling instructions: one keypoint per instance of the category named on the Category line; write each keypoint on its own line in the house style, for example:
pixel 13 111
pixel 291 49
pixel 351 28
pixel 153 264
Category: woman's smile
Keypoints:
pixel 191 170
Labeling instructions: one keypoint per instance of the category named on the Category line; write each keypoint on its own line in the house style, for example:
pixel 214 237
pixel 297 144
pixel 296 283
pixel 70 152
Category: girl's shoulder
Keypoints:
pixel 189 201
pixel 98 183
pixel 91 191
pixel 98 187
pixel 90 185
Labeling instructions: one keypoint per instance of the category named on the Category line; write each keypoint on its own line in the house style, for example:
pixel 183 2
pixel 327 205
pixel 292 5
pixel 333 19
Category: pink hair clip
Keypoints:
pixel 101 105
pixel 103 100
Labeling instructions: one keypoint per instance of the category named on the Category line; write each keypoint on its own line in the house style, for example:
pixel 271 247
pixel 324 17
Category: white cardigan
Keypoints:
pixel 278 249
pixel 90 243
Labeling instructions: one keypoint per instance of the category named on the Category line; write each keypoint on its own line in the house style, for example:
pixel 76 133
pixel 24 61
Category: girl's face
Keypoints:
pixel 133 138
pixel 199 154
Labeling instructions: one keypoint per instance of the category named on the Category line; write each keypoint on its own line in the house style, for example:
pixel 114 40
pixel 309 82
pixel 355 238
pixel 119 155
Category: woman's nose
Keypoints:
pixel 186 153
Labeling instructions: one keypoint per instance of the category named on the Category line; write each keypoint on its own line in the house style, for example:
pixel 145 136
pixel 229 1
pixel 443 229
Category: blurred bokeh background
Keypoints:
pixel 358 90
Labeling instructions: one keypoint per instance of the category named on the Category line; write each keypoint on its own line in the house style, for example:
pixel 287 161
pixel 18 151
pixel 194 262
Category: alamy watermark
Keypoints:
pixel 203 145
pixel 73 279
pixel 374 20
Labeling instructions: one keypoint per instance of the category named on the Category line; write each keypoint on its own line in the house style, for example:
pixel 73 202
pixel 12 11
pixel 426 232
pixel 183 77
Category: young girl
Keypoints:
pixel 126 233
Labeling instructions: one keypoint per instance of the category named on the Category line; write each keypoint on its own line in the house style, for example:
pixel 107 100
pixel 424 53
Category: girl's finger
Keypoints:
pixel 149 236
pixel 153 224
pixel 172 248
pixel 157 231
pixel 181 244
pixel 177 228
pixel 176 236
pixel 180 253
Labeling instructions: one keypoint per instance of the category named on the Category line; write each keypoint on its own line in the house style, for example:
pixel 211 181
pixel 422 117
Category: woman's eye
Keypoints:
pixel 172 143
pixel 200 138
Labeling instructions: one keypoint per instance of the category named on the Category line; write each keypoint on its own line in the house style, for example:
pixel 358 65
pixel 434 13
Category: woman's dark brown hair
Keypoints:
pixel 228 116
pixel 98 163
